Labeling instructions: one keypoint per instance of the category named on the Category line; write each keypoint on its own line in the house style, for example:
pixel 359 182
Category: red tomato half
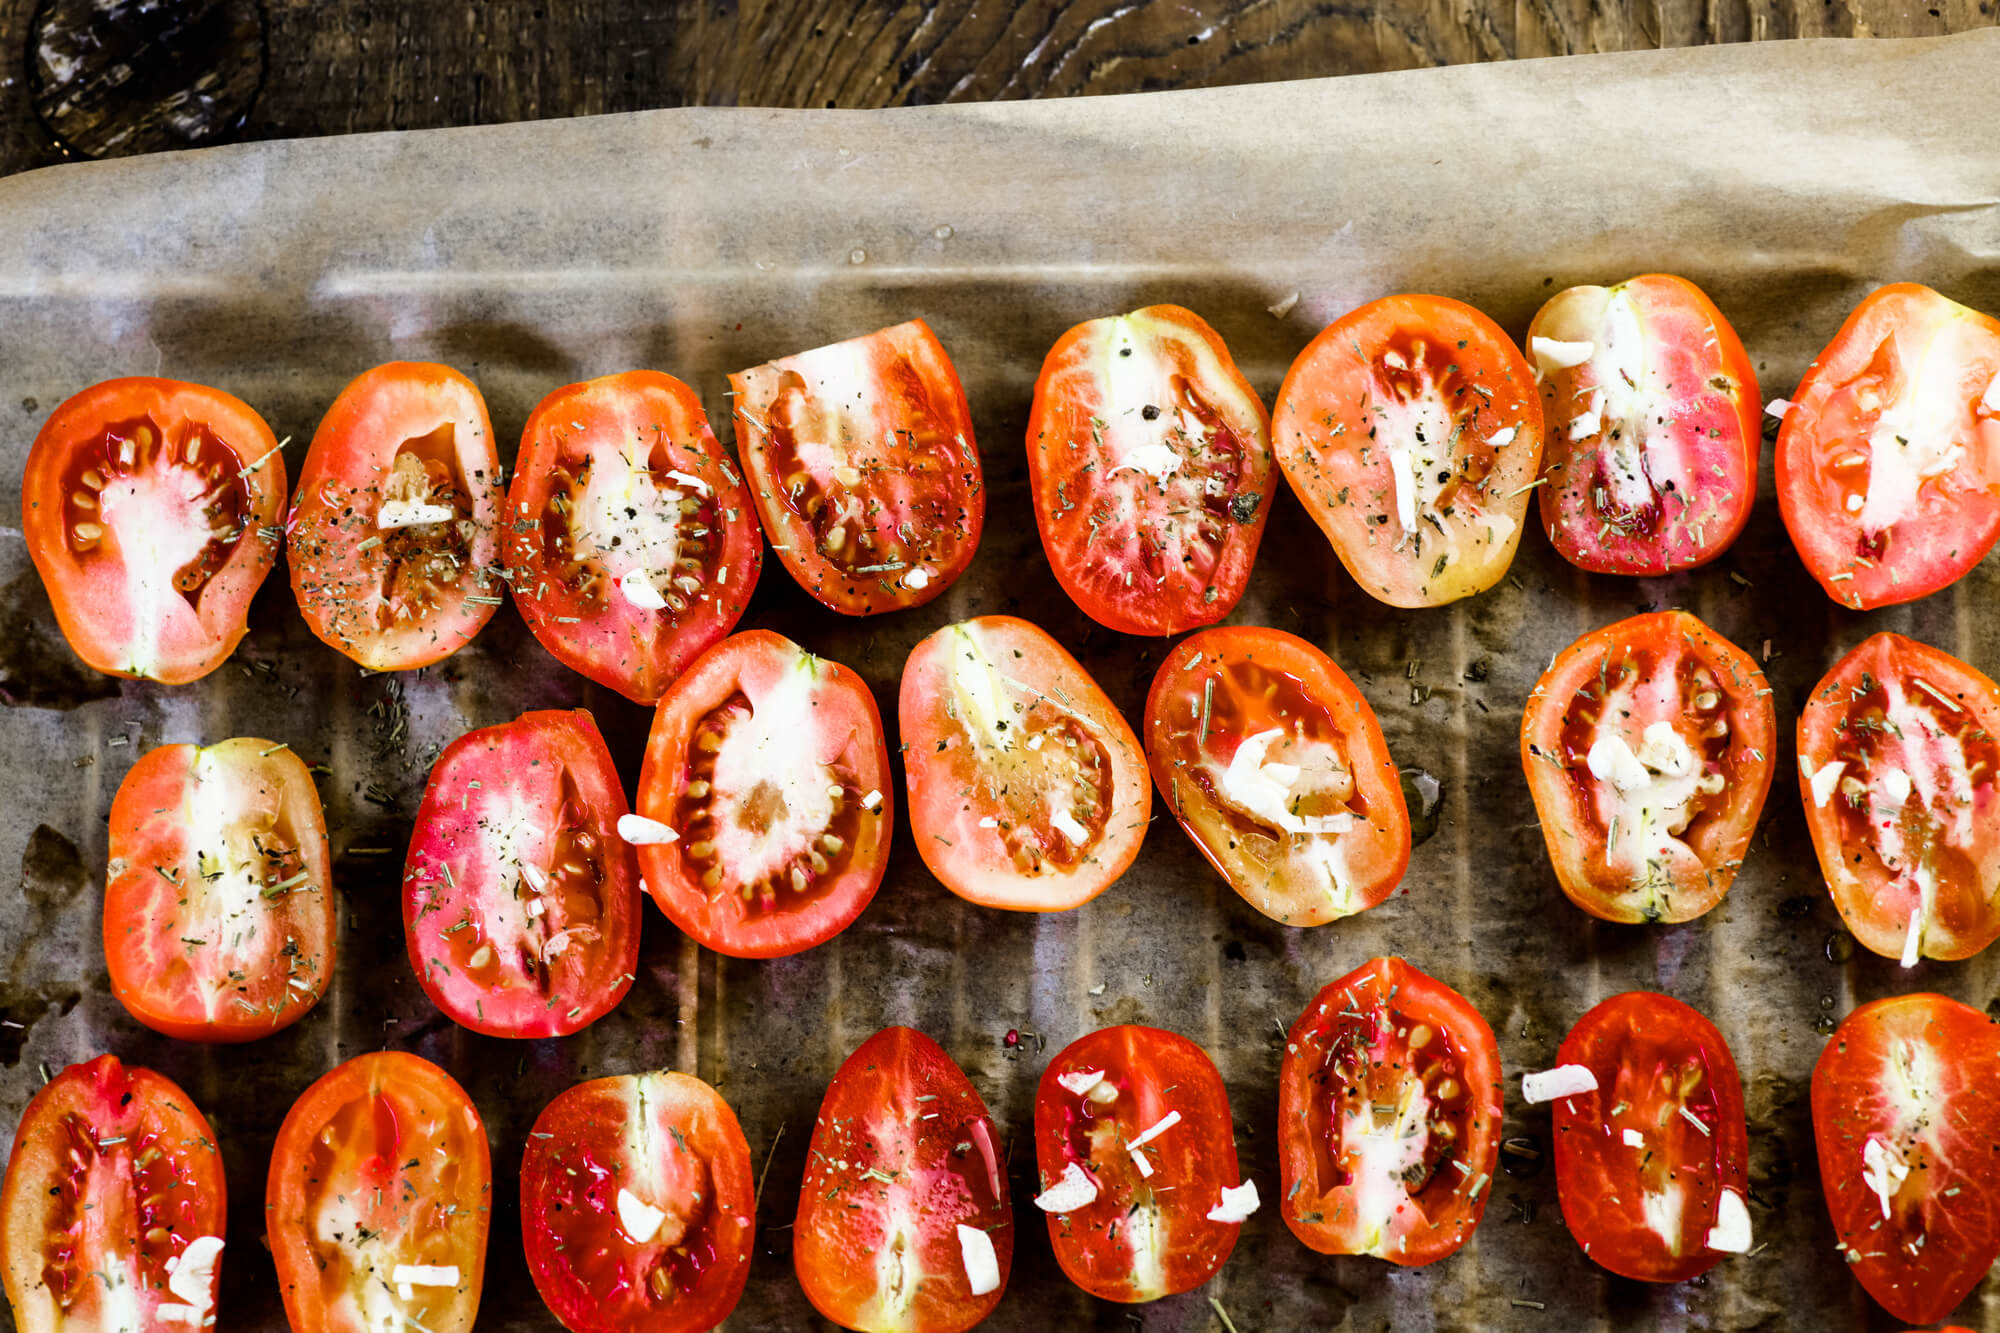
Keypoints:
pixel 767 779
pixel 1388 1116
pixel 1897 761
pixel 863 466
pixel 1276 767
pixel 629 535
pixel 1150 459
pixel 219 915
pixel 113 1211
pixel 1115 1098
pixel 394 541
pixel 636 1205
pixel 1027 788
pixel 1654 426
pixel 1411 431
pixel 1643 1161
pixel 151 511
pixel 1888 461
pixel 1906 1112
pixel 520 899
pixel 1648 747
pixel 903 1160
pixel 379 1200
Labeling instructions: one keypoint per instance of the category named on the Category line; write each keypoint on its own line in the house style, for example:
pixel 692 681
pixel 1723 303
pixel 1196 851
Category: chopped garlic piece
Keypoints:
pixel 1140 1162
pixel 1165 1123
pixel 643 832
pixel 1236 1204
pixel 1501 438
pixel 1065 824
pixel 1406 487
pixel 1074 1189
pixel 918 578
pixel 636 586
pixel 1883 1170
pixel 1634 1139
pixel 982 1266
pixel 1081 1081
pixel 1555 354
pixel 872 801
pixel 1562 1081
pixel 191 1274
pixel 1731 1232
pixel 178 1314
pixel 425 1275
pixel 693 483
pixel 1824 782
pixel 1913 943
pixel 411 513
pixel 1586 424
pixel 1777 407
pixel 639 1220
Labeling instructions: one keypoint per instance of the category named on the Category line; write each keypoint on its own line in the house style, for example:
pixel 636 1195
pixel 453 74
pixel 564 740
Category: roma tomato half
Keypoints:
pixel 151 511
pixel 1027 788
pixel 219 914
pixel 863 466
pixel 1648 746
pixel 765 798
pixel 1276 767
pixel 113 1210
pixel 1411 431
pixel 1150 459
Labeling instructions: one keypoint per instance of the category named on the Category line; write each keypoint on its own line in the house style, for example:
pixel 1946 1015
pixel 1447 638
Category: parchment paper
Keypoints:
pixel 1786 180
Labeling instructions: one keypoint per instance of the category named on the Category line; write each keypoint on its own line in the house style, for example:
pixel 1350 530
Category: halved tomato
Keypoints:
pixel 765 793
pixel 151 510
pixel 1648 746
pixel 379 1200
pixel 1388 1116
pixel 1897 767
pixel 1137 1119
pixel 629 538
pixel 1906 1112
pixel 520 899
pixel 1276 767
pixel 1654 425
pixel 904 1222
pixel 113 1212
pixel 394 541
pixel 863 467
pixel 636 1205
pixel 1150 459
pixel 1888 461
pixel 219 914
pixel 1411 431
pixel 1027 788
pixel 1644 1159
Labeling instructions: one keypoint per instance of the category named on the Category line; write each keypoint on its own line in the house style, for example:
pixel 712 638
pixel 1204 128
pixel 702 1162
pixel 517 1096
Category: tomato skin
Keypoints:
pixel 960 777
pixel 385 431
pixel 1694 384
pixel 395 1122
pixel 209 843
pixel 1333 1059
pixel 111 1273
pixel 872 433
pixel 1648 670
pixel 507 810
pixel 900 1107
pixel 1088 433
pixel 677 1141
pixel 580 508
pixel 132 437
pixel 1921 1074
pixel 1188 769
pixel 1630 1042
pixel 1154 1072
pixel 720 799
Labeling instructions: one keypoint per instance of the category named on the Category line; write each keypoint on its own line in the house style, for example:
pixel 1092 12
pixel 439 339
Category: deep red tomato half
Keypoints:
pixel 1643 1161
pixel 520 899
pixel 151 511
pixel 1648 746
pixel 766 784
pixel 1906 1112
pixel 113 1212
pixel 1654 425
pixel 1027 788
pixel 395 542
pixel 1897 761
pixel 863 466
pixel 379 1200
pixel 219 914
pixel 629 536
pixel 636 1205
pixel 1150 459
pixel 1143 1115
pixel 904 1160
pixel 1888 460
pixel 1388 1116
pixel 1275 765
pixel 1411 431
